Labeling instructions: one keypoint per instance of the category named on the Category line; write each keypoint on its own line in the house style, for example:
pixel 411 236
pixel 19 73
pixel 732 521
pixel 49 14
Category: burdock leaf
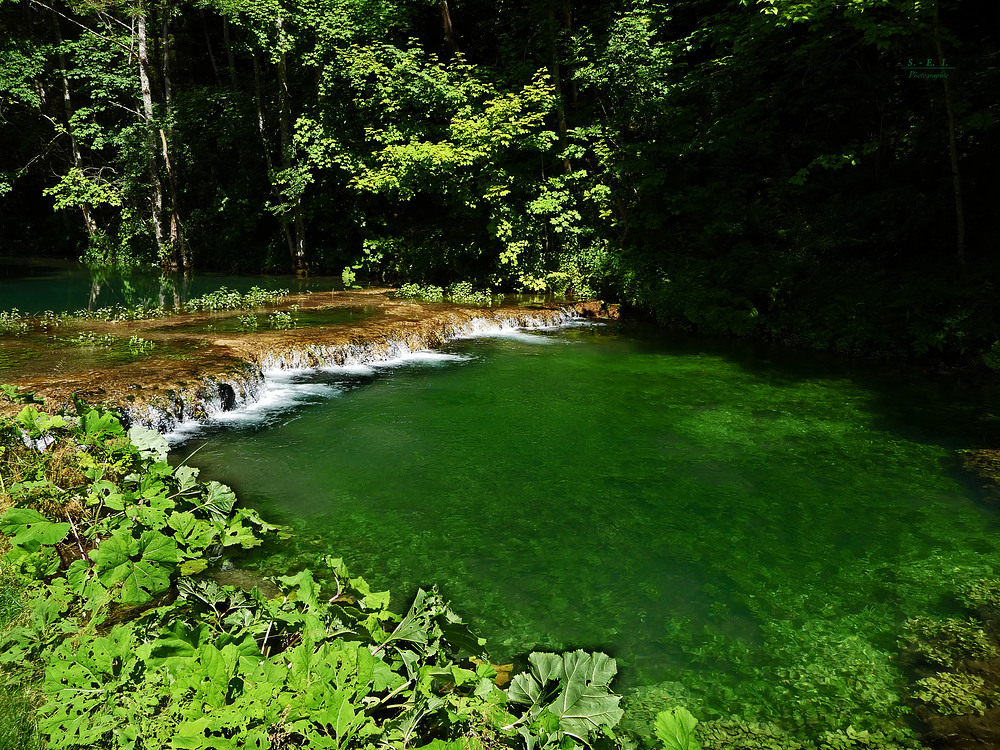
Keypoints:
pixel 142 566
pixel 30 529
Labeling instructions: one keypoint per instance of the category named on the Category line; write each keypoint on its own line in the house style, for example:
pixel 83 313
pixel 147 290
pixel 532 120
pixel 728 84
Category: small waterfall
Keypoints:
pixel 212 395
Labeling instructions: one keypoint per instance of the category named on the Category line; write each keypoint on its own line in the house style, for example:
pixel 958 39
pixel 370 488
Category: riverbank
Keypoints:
pixel 199 364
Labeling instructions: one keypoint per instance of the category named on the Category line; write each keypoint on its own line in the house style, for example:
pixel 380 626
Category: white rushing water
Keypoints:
pixel 321 372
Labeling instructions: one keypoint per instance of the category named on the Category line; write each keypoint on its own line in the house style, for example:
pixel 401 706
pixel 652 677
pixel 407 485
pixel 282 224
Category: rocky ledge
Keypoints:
pixel 192 375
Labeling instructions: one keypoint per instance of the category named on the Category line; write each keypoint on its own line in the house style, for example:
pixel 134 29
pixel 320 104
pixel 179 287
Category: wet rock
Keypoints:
pixel 217 374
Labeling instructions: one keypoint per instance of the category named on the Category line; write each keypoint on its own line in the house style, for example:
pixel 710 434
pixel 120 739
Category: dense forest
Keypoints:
pixel 815 172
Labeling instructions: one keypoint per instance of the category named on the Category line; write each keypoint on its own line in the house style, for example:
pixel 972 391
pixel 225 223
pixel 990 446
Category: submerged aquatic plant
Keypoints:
pixel 955 693
pixel 946 641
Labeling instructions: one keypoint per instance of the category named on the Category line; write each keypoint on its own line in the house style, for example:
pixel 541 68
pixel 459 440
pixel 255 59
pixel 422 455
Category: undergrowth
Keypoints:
pixel 113 637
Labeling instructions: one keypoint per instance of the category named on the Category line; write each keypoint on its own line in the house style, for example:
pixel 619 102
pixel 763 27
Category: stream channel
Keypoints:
pixel 738 524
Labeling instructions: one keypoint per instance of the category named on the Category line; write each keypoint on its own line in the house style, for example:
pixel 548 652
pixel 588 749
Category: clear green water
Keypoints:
pixel 734 521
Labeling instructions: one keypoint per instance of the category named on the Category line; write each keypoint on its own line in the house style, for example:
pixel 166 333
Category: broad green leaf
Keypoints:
pixel 178 639
pixel 151 444
pixel 213 677
pixel 81 577
pixel 200 734
pixel 525 689
pixel 97 426
pixel 187 477
pixel 142 566
pixel 36 423
pixel 546 666
pixel 675 729
pixel 218 502
pixel 305 587
pixel 191 533
pixel 193 567
pixel 236 533
pixel 30 529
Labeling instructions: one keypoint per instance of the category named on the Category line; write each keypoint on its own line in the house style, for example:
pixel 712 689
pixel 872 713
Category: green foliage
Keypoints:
pixel 17 396
pixel 138 345
pixel 121 663
pixel 280 320
pixel 229 299
pixel 248 322
pixel 12 322
pixel 462 293
pixel 981 594
pixel 733 734
pixel 17 726
pixel 675 729
pixel 423 293
pixel 114 313
pixel 567 698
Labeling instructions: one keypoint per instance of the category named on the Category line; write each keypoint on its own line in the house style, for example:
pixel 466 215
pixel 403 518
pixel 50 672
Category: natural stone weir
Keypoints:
pixel 226 372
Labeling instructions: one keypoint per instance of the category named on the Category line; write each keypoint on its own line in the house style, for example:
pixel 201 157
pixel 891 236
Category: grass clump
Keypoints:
pixel 461 293
pixel 230 299
pixel 422 292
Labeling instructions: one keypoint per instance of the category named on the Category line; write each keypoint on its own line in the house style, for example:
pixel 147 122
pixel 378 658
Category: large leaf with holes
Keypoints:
pixel 150 443
pixel 82 681
pixel 29 529
pixel 141 567
pixel 218 502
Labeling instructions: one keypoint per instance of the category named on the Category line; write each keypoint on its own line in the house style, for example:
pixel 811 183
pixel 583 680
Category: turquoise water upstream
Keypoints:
pixel 724 518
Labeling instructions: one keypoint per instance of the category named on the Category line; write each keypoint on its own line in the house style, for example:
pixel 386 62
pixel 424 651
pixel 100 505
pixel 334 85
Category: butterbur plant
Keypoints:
pixel 568 698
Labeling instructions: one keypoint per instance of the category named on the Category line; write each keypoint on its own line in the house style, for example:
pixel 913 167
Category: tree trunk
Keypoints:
pixel 231 59
pixel 208 47
pixel 555 73
pixel 298 250
pixel 88 218
pixel 567 12
pixel 178 244
pixel 162 246
pixel 450 45
pixel 956 177
pixel 268 161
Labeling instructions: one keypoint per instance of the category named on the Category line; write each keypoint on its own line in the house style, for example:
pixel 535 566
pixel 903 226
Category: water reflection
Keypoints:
pixel 33 286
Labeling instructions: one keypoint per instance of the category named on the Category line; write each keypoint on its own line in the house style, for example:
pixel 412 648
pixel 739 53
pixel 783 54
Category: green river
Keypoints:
pixel 746 529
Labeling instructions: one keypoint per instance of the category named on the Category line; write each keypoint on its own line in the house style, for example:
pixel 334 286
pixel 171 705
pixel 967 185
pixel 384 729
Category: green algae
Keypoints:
pixel 14 355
